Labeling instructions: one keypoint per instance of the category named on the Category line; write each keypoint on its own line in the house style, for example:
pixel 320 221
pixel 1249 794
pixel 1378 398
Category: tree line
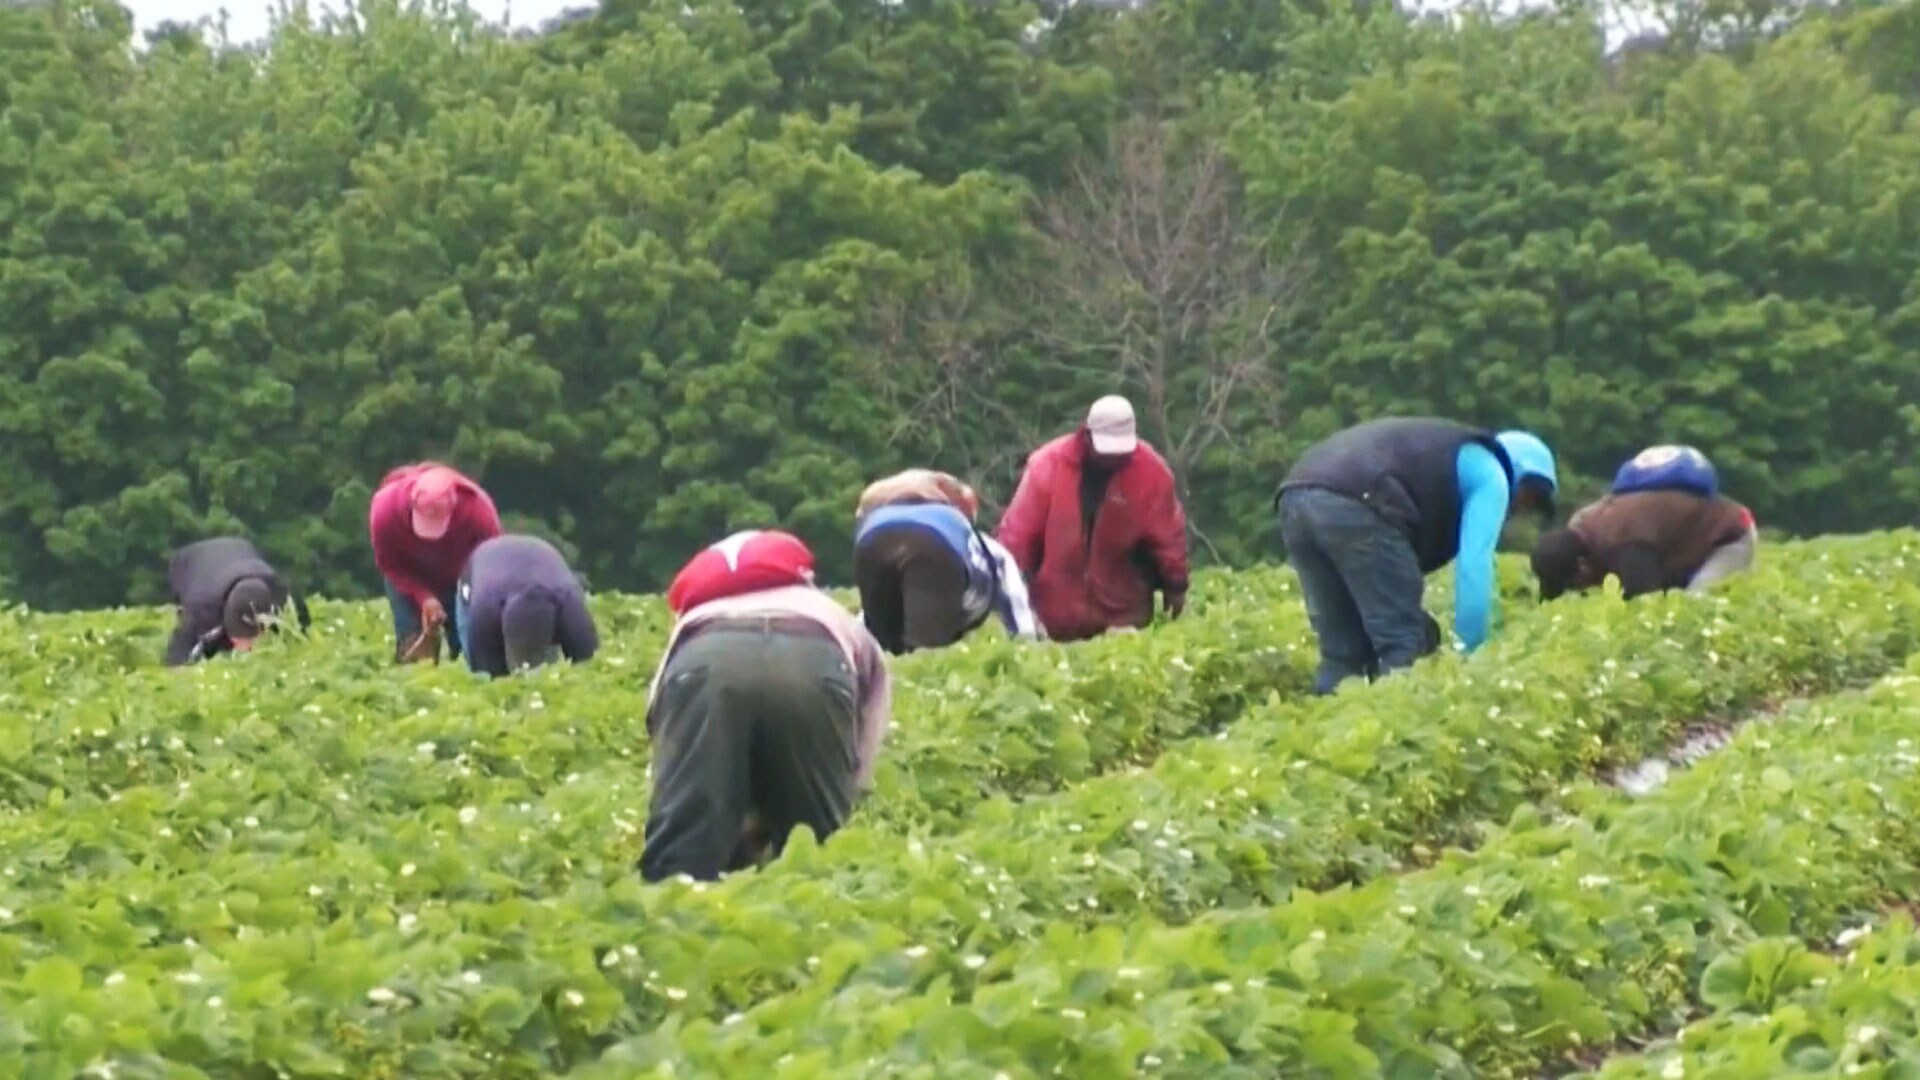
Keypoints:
pixel 668 268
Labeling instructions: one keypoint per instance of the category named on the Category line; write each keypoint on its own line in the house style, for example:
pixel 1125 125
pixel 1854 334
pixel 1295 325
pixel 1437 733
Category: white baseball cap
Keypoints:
pixel 1110 421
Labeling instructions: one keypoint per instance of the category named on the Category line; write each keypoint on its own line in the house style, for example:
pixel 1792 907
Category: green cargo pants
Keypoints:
pixel 753 722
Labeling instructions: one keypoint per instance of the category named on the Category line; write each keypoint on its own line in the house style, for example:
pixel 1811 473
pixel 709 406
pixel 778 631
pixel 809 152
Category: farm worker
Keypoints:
pixel 766 712
pixel 223 589
pixel 1683 535
pixel 425 521
pixel 517 603
pixel 1097 528
pixel 927 576
pixel 1368 513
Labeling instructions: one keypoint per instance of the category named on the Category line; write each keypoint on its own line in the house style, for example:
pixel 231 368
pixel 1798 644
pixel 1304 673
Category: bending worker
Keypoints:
pixel 927 576
pixel 1664 525
pixel 518 602
pixel 425 521
pixel 766 713
pixel 1367 514
pixel 223 589
pixel 1097 528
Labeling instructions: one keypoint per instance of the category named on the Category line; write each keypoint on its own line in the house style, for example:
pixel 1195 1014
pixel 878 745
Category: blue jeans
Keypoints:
pixel 406 619
pixel 1362 583
pixel 462 630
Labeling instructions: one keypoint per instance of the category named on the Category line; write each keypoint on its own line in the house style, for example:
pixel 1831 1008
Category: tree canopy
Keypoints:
pixel 667 269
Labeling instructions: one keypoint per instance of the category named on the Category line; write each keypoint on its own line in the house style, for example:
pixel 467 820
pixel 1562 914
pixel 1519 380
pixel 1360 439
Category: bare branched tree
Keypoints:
pixel 941 374
pixel 1160 287
pixel 1144 280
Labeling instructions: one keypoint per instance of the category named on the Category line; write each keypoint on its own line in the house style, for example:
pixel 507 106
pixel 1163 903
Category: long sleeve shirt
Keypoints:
pixel 1484 495
pixel 516 570
pixel 199 576
pixel 1011 601
pixel 424 569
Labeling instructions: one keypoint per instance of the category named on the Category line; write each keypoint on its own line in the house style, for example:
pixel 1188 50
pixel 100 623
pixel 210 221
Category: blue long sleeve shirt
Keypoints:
pixel 1483 513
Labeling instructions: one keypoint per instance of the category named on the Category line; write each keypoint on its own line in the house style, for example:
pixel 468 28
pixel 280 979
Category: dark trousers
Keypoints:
pixel 912 589
pixel 751 725
pixel 406 620
pixel 1362 584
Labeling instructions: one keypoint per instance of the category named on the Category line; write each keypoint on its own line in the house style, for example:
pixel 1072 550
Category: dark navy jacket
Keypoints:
pixel 521 573
pixel 1407 470
pixel 199 576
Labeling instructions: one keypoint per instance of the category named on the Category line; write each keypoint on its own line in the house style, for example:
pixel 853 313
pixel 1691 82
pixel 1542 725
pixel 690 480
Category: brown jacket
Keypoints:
pixel 1682 529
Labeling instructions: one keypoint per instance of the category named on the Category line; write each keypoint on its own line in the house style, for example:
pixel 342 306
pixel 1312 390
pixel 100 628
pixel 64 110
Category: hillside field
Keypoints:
pixel 1148 855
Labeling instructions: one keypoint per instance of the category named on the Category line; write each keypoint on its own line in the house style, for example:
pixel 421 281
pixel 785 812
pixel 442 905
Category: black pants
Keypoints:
pixel 750 723
pixel 912 589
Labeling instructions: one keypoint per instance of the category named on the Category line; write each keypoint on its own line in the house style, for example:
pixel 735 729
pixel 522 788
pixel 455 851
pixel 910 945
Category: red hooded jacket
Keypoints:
pixel 418 568
pixel 1085 586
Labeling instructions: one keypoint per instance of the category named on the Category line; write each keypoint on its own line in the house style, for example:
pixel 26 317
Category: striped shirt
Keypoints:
pixel 1010 602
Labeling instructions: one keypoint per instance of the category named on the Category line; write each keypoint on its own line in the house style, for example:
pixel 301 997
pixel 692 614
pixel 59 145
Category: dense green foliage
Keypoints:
pixel 1782 1008
pixel 673 268
pixel 1143 855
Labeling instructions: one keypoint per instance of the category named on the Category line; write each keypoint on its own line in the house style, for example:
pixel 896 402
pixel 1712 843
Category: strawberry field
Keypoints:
pixel 1147 855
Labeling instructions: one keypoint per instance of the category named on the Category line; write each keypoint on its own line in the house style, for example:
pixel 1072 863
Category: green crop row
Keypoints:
pixel 265 828
pixel 56 649
pixel 327 867
pixel 1784 1009
pixel 117 642
pixel 355 881
pixel 1294 795
pixel 988 717
pixel 1555 937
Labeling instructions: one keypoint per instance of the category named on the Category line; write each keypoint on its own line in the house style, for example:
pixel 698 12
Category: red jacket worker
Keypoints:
pixel 1097 528
pixel 425 521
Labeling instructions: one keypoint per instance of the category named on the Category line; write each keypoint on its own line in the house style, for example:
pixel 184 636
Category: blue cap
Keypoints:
pixel 1530 457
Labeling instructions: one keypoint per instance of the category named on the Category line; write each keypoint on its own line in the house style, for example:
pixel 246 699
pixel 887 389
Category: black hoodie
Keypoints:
pixel 199 576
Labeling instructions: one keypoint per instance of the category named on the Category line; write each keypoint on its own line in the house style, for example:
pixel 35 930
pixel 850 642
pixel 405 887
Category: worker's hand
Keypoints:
pixel 433 613
pixel 1176 603
pixel 754 846
pixel 207 644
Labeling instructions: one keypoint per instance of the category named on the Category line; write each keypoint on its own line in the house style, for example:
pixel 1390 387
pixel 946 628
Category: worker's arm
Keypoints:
pixel 579 639
pixel 386 529
pixel 874 702
pixel 1484 494
pixel 1024 524
pixel 180 645
pixel 1166 542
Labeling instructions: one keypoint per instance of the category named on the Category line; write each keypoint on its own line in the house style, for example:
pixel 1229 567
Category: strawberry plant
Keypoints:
pixel 1783 1008
pixel 306 862
pixel 1556 936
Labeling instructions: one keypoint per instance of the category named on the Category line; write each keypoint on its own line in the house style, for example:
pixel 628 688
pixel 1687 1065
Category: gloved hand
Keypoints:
pixel 1176 603
pixel 211 643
